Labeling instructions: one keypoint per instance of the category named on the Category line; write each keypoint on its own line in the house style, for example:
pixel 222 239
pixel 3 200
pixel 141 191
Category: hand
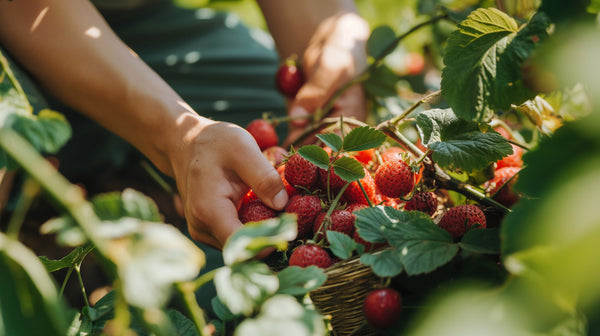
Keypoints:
pixel 215 164
pixel 335 55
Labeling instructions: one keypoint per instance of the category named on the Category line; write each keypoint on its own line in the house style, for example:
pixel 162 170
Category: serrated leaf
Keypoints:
pixel 315 154
pixel 243 287
pixel 459 144
pixel 254 237
pixel 380 42
pixel 382 82
pixel 341 244
pixel 332 140
pixel 362 138
pixel 182 324
pixel 483 59
pixel 348 169
pixel 481 240
pixel 296 280
pixel 368 224
pixel 73 258
pixel 385 263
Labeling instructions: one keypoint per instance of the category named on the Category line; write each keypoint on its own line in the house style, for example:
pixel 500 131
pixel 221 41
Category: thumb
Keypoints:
pixel 264 180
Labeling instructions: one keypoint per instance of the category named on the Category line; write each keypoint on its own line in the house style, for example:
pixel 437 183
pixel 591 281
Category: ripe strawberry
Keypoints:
pixel 340 221
pixel 301 172
pixel 365 156
pixel 394 178
pixel 382 307
pixel 291 191
pixel 289 78
pixel 460 218
pixel 512 160
pixel 355 206
pixel 310 254
pixel 254 211
pixel 391 153
pixel 275 155
pixel 250 196
pixel 306 207
pixel 426 202
pixel 354 194
pixel 263 132
pixel 501 186
pixel 335 182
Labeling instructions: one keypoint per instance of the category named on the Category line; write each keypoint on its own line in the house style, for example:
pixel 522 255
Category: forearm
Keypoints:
pixel 293 23
pixel 72 52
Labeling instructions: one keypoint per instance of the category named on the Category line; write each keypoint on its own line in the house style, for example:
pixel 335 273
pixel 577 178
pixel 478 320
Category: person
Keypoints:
pixel 70 49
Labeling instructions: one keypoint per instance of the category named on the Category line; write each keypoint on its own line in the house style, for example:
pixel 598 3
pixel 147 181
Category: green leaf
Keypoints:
pixel 30 303
pixel 485 241
pixel 386 263
pixel 362 138
pixel 382 82
pixel 254 237
pixel 459 144
pixel 56 128
pixel 368 223
pixel 183 325
pixel 594 6
pixel 315 154
pixel 296 280
pixel 150 257
pixel 332 140
pixel 381 42
pixel 348 169
pixel 128 203
pixel 243 287
pixel 483 60
pixel 341 244
pixel 75 257
pixel 283 315
pixel 221 310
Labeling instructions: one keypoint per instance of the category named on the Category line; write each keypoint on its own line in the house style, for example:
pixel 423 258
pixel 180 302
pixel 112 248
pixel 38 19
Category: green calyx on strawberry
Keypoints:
pixel 310 254
pixel 457 220
pixel 306 207
pixel 394 178
pixel 382 307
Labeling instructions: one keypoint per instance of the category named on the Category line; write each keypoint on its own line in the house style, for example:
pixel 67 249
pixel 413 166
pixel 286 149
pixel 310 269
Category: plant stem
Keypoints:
pixel 30 189
pixel 313 128
pixel 64 283
pixel 157 178
pixel 187 291
pixel 77 269
pixel 203 279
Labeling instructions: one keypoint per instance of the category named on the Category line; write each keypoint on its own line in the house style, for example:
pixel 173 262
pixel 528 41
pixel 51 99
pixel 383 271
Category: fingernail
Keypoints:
pixel 298 116
pixel 280 200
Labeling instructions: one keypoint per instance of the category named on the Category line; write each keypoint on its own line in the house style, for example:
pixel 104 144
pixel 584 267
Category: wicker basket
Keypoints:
pixel 342 296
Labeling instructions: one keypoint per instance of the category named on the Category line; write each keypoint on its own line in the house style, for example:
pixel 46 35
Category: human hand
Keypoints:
pixel 335 55
pixel 215 164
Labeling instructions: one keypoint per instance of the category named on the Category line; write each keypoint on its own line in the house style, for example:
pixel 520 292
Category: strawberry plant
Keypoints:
pixel 472 206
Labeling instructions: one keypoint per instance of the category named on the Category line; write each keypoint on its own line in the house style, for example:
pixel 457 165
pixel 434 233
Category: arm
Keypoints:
pixel 71 51
pixel 331 39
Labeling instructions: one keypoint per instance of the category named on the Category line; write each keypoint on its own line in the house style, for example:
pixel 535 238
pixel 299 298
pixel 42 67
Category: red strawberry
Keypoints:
pixel 263 132
pixel 250 196
pixel 355 206
pixel 306 207
pixel 310 254
pixel 340 221
pixel 301 172
pixel 382 307
pixel 394 178
pixel 512 160
pixel 254 211
pixel 501 186
pixel 335 182
pixel 291 191
pixel 365 156
pixel 354 194
pixel 289 78
pixel 275 155
pixel 426 202
pixel 391 153
pixel 461 217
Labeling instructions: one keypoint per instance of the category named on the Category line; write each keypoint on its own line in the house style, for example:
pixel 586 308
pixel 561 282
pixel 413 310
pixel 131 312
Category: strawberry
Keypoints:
pixel 291 191
pixel 382 307
pixel 394 178
pixel 289 78
pixel 335 182
pixel 339 220
pixel 306 207
pixel 365 156
pixel 501 186
pixel 391 153
pixel 512 160
pixel 426 202
pixel 354 194
pixel 355 206
pixel 310 254
pixel 462 217
pixel 263 132
pixel 275 155
pixel 250 196
pixel 254 211
pixel 301 172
